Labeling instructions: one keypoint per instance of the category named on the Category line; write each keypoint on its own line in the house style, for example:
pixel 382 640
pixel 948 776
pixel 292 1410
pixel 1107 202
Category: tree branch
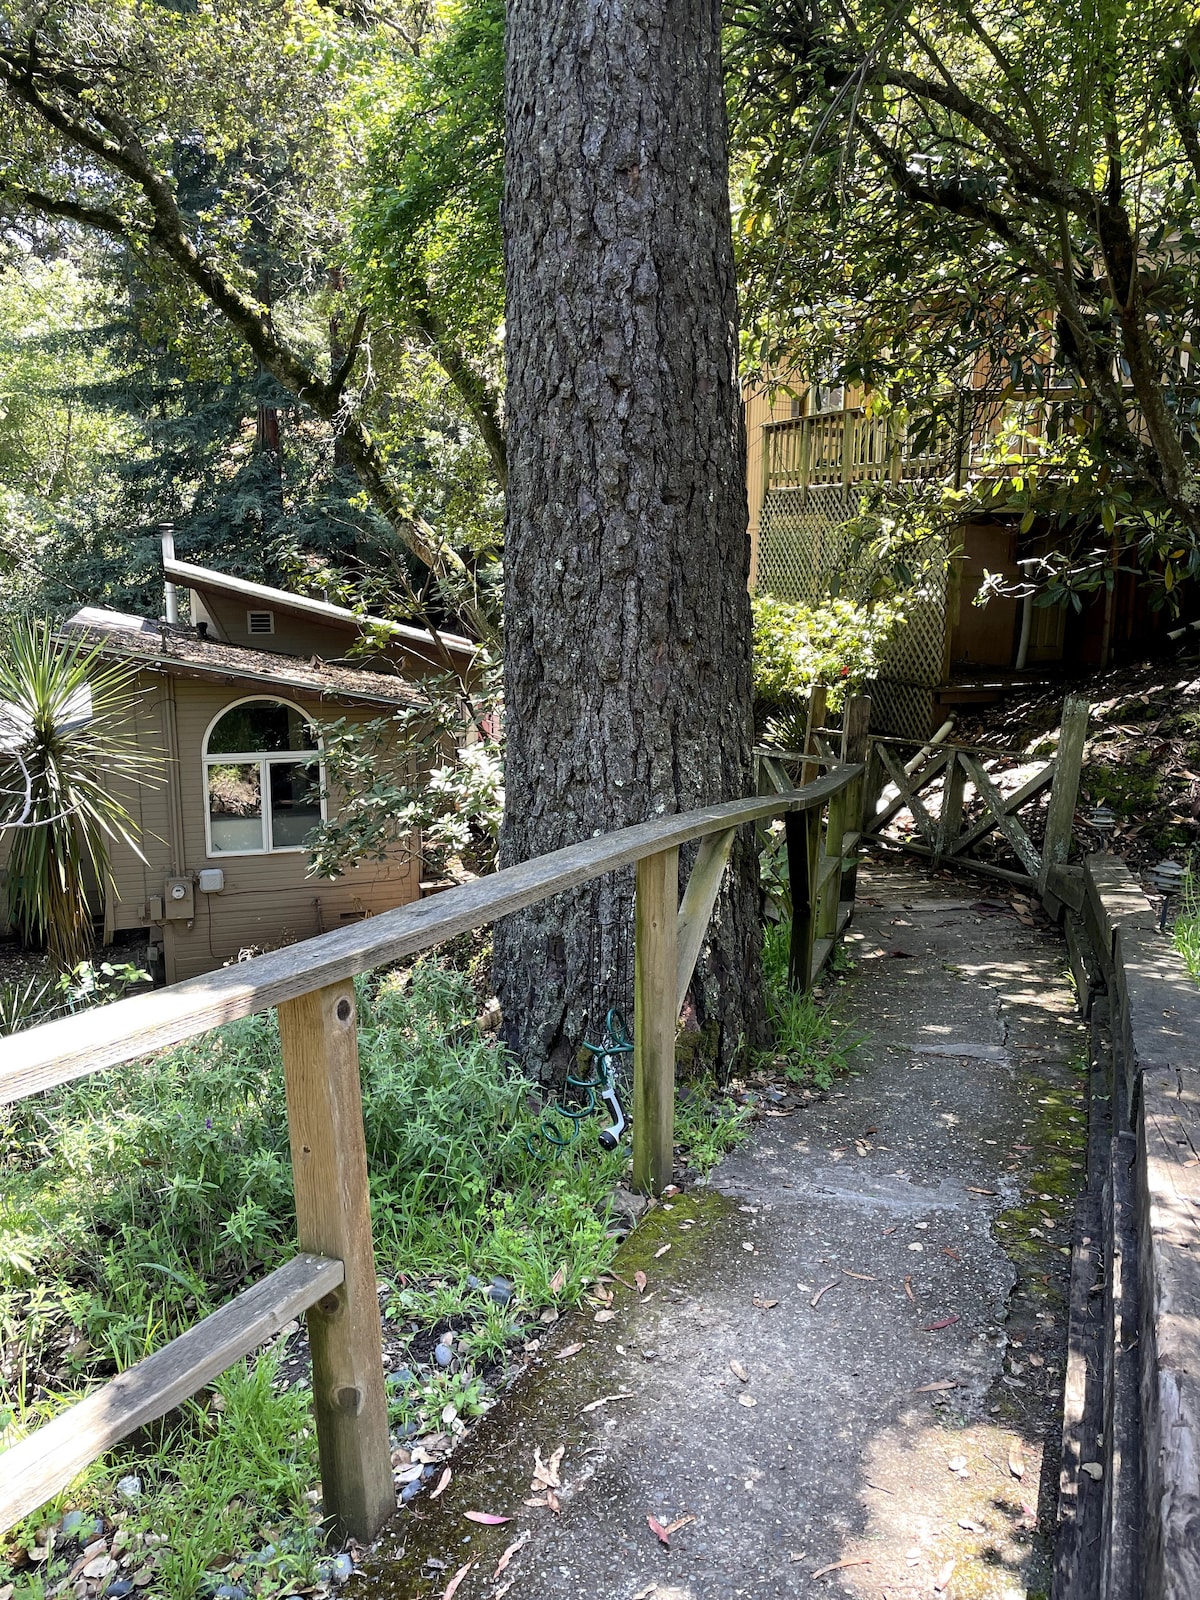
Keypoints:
pixel 119 148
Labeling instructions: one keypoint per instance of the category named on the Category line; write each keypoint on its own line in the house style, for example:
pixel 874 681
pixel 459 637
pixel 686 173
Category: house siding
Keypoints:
pixel 268 900
pixel 305 636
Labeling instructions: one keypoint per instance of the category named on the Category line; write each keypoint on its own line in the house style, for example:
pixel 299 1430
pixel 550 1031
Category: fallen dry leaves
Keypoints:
pixel 661 1251
pixel 606 1399
pixel 663 1534
pixel 739 1371
pixel 641 1280
pixel 518 1543
pixel 823 1290
pixel 559 1278
pixel 1016 1460
pixel 451 1588
pixel 571 1350
pixel 764 1305
pixel 487 1519
pixel 545 1473
pixel 836 1566
pixel 441 1484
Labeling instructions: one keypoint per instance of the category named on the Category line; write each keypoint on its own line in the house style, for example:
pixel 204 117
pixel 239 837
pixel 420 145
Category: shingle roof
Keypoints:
pixel 180 651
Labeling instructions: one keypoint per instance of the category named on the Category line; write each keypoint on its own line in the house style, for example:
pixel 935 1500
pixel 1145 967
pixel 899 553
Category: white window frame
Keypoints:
pixel 261 760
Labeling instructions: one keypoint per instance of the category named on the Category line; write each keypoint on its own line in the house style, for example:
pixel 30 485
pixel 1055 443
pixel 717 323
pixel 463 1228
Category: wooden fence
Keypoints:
pixel 932 787
pixel 310 985
pixel 1129 1503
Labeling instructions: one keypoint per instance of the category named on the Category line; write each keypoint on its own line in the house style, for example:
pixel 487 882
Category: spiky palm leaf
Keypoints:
pixel 69 709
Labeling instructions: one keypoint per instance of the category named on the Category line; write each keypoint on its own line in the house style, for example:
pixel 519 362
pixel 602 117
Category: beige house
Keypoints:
pixel 235 703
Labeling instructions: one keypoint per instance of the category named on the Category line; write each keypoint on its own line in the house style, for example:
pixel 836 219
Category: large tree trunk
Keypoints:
pixel 627 621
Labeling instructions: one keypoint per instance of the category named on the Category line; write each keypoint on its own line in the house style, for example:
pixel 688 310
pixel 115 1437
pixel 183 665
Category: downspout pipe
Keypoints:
pixel 1026 630
pixel 170 596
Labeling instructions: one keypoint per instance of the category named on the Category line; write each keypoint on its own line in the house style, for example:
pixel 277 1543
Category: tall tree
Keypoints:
pixel 627 633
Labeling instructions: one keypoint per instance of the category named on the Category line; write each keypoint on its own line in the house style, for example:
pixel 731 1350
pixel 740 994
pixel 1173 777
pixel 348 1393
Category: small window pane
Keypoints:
pixel 235 806
pixel 295 802
pixel 261 725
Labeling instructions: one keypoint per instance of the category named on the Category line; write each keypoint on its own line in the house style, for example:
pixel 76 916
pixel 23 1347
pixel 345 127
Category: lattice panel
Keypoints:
pixel 904 710
pixel 804 542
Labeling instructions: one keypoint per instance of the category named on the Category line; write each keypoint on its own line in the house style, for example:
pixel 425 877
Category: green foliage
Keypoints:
pixel 261 408
pixel 135 1202
pixel 810 1045
pixel 709 1123
pixel 37 999
pixel 65 714
pixel 837 644
pixel 427 239
pixel 1185 931
pixel 392 776
pixel 987 213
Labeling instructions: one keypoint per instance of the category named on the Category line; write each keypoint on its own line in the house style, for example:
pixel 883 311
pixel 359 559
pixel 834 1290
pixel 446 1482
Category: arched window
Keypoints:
pixel 262 777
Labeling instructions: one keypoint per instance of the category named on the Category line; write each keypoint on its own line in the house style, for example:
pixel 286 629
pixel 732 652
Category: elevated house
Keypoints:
pixel 235 701
pixel 811 454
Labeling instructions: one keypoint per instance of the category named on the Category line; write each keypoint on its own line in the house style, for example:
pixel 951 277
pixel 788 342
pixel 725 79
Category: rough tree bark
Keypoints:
pixel 627 621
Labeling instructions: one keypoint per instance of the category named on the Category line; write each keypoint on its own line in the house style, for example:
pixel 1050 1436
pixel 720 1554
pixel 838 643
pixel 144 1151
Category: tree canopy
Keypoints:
pixel 982 193
pixel 217 152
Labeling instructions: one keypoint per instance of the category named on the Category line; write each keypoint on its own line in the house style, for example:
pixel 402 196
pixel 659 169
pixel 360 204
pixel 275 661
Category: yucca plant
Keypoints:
pixel 64 735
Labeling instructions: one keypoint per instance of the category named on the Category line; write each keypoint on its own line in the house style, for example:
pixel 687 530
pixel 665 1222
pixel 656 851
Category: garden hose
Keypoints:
pixel 594 1094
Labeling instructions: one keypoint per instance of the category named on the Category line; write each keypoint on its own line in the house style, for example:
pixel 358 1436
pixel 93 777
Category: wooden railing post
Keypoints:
pixel 319 1035
pixel 856 738
pixel 818 695
pixel 829 879
pixel 950 821
pixel 654 1020
pixel 1064 792
pixel 802 833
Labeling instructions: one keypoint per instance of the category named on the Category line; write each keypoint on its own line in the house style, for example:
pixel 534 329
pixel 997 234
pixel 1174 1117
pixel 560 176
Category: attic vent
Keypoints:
pixel 260 622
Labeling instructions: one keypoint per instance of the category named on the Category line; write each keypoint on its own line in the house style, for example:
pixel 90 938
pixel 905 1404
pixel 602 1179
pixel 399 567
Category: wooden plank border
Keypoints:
pixel 46 1462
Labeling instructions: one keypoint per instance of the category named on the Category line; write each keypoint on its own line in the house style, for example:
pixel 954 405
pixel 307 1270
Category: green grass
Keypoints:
pixel 136 1201
pixel 811 1047
pixel 1186 929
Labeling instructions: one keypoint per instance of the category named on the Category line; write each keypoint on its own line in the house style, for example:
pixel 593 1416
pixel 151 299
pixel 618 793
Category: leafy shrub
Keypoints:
pixel 837 643
pixel 37 1000
pixel 1186 929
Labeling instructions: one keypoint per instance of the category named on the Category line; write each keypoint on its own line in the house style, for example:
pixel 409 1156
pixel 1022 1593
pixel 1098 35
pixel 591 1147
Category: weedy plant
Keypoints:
pixel 1186 928
pixel 136 1201
pixel 810 1044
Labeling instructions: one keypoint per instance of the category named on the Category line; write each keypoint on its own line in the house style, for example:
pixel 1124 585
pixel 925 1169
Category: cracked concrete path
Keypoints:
pixel 849 1351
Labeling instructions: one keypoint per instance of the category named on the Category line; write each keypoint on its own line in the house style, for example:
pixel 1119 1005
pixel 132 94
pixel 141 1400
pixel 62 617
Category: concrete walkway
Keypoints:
pixel 849 1351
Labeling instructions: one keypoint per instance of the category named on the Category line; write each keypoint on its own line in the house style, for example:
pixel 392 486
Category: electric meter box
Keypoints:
pixel 179 900
pixel 212 880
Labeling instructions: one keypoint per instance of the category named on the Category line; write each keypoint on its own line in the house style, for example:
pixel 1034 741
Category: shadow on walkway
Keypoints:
pixel 850 1347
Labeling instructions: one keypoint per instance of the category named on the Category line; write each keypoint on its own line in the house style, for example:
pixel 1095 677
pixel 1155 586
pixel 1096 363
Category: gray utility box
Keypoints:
pixel 179 900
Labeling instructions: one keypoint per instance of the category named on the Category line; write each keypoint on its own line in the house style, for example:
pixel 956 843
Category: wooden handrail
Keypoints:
pixel 45 1463
pixel 310 984
pixel 72 1047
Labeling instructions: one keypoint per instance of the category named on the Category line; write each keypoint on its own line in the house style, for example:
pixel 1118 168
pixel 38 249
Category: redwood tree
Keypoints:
pixel 627 621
